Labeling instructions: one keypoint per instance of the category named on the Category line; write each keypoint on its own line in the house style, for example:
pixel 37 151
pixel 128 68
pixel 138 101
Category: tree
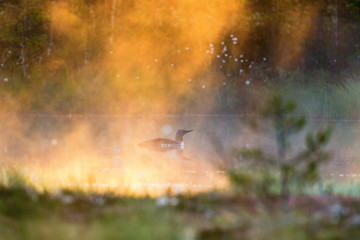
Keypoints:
pixel 301 168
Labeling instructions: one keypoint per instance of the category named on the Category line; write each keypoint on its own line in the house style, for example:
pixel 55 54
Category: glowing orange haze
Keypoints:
pixel 73 163
pixel 133 178
pixel 153 47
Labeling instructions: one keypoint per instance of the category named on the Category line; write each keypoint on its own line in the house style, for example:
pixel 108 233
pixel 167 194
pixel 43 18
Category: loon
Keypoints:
pixel 166 144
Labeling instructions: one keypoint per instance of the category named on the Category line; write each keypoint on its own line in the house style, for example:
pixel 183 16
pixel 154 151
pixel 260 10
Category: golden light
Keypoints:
pixel 75 164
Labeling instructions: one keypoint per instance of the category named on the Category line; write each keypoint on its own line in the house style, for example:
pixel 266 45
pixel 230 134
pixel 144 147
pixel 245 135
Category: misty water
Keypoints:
pixel 215 139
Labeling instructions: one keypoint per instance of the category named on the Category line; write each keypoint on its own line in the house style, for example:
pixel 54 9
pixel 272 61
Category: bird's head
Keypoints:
pixel 180 133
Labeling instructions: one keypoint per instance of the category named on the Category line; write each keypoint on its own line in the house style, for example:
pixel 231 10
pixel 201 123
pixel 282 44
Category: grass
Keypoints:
pixel 28 214
pixel 70 215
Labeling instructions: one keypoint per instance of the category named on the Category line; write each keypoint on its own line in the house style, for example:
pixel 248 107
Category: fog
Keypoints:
pixel 85 81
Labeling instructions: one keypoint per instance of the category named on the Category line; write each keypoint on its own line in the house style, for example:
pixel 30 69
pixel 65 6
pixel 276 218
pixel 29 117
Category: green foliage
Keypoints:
pixel 66 214
pixel 300 169
pixel 11 178
pixel 261 182
pixel 354 7
pixel 18 202
pixel 28 214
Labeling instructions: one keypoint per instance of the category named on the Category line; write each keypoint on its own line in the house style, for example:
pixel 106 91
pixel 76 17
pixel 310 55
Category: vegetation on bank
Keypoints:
pixel 68 214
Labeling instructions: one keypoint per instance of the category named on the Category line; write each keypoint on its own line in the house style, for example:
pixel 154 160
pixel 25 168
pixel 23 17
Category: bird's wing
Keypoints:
pixel 160 144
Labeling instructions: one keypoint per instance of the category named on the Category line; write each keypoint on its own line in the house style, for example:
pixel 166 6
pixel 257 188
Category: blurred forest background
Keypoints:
pixel 116 56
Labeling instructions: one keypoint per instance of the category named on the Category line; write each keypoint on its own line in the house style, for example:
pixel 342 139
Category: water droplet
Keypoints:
pixel 118 75
pixel 189 80
pixel 222 43
pixel 236 59
pixel 172 64
pixel 247 82
pixel 6 79
pixel 111 52
pixel 155 60
pixel 224 83
pixel 203 86
pixel 187 48
pixel 226 54
pixel 264 59
pixel 218 56
pixel 211 45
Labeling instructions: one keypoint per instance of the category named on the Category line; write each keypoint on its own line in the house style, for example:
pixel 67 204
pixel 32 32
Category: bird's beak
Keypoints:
pixel 187 131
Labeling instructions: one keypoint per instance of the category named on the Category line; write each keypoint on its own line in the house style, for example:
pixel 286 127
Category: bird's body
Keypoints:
pixel 160 144
pixel 166 144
